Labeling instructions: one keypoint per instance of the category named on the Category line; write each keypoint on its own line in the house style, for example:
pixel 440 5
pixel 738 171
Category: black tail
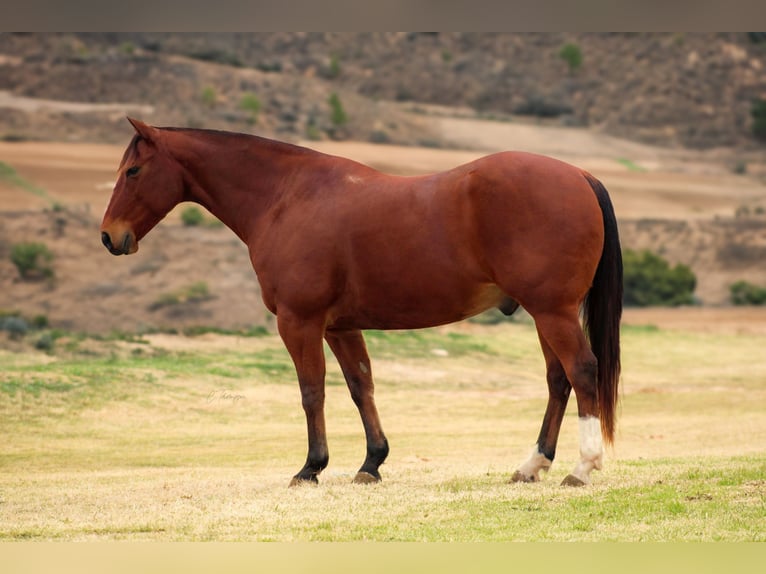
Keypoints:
pixel 603 310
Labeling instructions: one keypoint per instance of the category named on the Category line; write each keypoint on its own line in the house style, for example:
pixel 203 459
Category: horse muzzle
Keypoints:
pixel 126 244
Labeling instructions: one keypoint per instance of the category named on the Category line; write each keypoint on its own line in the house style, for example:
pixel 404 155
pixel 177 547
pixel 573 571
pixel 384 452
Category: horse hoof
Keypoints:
pixel 519 476
pixel 298 481
pixel 365 478
pixel 572 480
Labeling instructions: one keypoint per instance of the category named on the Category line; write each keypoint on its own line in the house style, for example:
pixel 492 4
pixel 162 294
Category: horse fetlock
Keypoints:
pixel 530 470
pixel 377 454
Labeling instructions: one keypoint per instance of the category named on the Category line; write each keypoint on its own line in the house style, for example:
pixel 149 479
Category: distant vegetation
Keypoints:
pixel 194 293
pixel 572 55
pixel 746 293
pixel 337 112
pixel 758 112
pixel 33 260
pixel 217 56
pixel 209 96
pixel 192 216
pixel 251 104
pixel 650 280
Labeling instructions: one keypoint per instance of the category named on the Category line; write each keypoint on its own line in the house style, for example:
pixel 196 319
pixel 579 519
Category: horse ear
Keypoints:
pixel 146 131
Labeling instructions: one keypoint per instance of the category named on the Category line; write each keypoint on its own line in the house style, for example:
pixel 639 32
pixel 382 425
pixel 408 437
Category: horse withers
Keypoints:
pixel 339 247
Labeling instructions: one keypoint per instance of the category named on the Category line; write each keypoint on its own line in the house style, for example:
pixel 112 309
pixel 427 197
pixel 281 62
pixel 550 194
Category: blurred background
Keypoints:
pixel 674 124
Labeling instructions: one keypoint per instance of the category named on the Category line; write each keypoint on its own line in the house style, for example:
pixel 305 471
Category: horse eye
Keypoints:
pixel 132 171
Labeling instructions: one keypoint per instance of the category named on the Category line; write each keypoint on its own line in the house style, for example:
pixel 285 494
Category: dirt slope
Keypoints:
pixel 672 89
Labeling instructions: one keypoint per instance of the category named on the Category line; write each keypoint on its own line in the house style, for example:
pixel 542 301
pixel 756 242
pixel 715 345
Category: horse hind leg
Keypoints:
pixel 350 350
pixel 559 389
pixel 564 335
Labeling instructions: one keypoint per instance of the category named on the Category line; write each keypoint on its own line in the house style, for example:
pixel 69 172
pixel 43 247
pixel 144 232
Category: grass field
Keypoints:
pixel 167 438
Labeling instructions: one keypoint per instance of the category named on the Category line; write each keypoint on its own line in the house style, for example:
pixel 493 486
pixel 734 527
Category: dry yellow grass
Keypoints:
pixel 195 439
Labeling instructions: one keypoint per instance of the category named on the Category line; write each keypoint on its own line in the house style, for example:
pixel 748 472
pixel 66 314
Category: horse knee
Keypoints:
pixel 312 397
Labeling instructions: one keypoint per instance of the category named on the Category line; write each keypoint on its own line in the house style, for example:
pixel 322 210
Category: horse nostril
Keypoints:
pixel 106 240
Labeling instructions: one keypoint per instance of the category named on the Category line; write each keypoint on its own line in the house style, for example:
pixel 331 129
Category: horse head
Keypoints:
pixel 149 185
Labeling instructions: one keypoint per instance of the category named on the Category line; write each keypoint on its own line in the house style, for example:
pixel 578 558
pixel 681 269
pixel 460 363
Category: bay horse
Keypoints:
pixel 339 247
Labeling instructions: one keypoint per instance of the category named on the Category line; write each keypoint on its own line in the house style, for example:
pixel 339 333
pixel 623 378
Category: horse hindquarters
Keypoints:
pixel 591 366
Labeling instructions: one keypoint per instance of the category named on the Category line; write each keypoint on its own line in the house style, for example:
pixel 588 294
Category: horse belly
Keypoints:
pixel 416 306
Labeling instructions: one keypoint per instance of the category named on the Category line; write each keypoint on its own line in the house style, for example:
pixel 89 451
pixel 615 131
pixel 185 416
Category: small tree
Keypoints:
pixel 337 113
pixel 334 68
pixel 572 55
pixel 650 280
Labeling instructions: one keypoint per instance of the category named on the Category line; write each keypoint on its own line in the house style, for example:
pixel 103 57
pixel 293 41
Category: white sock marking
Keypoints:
pixel 591 448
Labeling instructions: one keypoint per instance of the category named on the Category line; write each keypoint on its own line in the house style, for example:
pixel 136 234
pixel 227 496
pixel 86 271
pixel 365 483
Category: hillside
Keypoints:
pixel 663 120
pixel 690 90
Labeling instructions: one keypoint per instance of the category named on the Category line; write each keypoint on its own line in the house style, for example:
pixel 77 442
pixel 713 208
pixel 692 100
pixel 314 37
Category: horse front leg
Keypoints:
pixel 303 340
pixel 350 350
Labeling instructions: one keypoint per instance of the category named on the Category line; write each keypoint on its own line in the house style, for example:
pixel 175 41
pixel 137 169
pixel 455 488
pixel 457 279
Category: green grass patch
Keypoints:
pixel 424 343
pixel 631 165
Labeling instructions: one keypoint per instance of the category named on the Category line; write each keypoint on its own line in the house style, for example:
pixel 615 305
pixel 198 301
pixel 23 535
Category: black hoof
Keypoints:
pixel 300 481
pixel 572 480
pixel 366 478
pixel 518 476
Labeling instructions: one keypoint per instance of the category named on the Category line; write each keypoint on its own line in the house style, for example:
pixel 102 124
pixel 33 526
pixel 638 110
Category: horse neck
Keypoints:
pixel 235 177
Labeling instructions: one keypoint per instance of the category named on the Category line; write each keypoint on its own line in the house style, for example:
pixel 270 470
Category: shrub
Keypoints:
pixel 337 113
pixel 32 260
pixel 218 57
pixel 758 112
pixel 333 69
pixel 45 343
pixel 250 103
pixel 192 216
pixel 745 293
pixel 650 280
pixel 16 327
pixel 572 55
pixel 538 106
pixel 379 137
pixel 194 293
pixel 209 97
pixel 312 130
